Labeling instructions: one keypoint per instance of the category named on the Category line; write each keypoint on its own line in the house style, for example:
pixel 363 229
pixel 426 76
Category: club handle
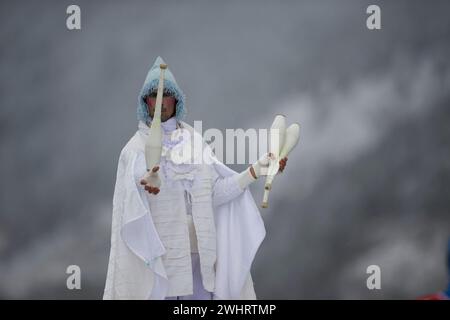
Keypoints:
pixel 265 202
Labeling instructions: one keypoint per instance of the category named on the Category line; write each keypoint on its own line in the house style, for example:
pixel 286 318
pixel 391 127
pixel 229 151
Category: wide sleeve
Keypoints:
pixel 240 231
pixel 135 268
pixel 228 188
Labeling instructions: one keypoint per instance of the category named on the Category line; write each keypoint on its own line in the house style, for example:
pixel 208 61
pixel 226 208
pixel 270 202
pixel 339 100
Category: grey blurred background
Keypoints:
pixel 368 183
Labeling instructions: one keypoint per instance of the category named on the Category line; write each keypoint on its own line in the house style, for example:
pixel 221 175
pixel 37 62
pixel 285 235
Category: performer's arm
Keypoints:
pixel 226 189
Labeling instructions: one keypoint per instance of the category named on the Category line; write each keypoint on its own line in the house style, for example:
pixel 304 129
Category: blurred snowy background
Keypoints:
pixel 368 184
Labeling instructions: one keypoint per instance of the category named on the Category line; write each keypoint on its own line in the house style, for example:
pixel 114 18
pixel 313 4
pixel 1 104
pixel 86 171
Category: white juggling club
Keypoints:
pixel 277 135
pixel 153 144
pixel 291 137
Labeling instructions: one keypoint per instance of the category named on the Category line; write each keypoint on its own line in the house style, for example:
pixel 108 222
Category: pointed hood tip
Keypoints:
pixel 158 61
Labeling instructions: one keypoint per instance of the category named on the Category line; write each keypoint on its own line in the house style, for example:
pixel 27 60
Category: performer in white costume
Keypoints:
pixel 194 237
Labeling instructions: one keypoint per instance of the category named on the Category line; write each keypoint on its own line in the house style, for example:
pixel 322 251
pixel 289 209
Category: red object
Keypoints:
pixel 435 296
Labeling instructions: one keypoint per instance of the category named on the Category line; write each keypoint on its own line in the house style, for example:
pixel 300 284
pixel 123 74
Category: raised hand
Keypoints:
pixel 151 181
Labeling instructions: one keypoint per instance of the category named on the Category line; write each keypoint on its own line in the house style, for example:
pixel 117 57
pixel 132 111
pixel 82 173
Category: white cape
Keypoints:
pixel 135 269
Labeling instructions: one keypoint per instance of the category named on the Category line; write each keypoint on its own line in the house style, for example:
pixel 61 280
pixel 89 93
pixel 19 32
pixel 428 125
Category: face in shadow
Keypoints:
pixel 168 106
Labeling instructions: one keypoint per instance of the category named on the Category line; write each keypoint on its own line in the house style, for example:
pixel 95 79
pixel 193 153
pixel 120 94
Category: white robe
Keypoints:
pixel 136 270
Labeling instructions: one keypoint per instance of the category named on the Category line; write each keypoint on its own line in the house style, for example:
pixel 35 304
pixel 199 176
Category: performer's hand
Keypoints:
pixel 283 164
pixel 261 166
pixel 151 181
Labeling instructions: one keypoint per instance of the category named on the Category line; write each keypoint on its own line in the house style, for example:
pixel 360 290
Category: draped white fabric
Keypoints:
pixel 136 269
